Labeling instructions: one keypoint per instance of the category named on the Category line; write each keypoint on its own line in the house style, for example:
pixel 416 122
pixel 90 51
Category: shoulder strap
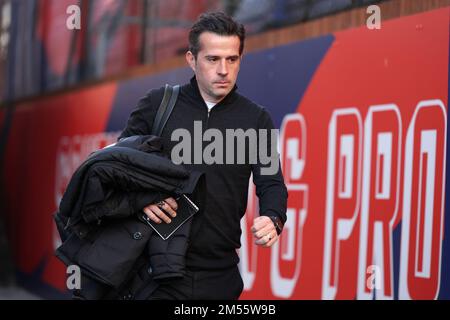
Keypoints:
pixel 165 108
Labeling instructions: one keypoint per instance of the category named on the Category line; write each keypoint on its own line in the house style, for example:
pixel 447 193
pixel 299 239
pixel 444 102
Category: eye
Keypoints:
pixel 212 59
pixel 233 59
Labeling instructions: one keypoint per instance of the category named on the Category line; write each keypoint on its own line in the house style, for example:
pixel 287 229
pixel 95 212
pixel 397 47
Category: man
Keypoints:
pixel 216 44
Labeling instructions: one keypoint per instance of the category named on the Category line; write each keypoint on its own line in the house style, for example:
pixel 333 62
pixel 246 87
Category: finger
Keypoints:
pixel 267 229
pixel 262 241
pixel 158 212
pixel 257 224
pixel 168 209
pixel 151 215
pixel 271 242
pixel 172 203
pixel 267 240
pixel 260 222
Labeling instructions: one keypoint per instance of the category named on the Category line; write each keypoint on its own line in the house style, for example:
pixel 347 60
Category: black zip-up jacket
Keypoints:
pixel 214 247
pixel 99 217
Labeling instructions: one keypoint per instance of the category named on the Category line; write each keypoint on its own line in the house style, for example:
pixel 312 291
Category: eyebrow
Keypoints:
pixel 214 56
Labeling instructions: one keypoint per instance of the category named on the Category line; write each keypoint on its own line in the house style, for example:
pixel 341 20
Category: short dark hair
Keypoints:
pixel 215 22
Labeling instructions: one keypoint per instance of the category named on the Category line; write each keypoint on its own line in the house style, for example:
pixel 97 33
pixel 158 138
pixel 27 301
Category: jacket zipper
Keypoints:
pixel 207 118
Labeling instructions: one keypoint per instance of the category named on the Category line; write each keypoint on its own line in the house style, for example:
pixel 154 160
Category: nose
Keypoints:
pixel 222 68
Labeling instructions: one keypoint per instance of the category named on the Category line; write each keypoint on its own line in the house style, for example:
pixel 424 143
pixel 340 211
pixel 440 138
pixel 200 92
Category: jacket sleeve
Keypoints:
pixel 141 118
pixel 267 177
pixel 119 205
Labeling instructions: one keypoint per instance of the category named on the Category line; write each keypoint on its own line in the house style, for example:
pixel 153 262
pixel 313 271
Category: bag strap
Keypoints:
pixel 165 108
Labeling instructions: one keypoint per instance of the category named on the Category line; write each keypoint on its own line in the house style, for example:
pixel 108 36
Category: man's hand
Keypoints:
pixel 160 211
pixel 264 231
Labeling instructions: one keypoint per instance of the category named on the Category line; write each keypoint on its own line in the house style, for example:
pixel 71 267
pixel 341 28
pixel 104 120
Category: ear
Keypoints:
pixel 190 60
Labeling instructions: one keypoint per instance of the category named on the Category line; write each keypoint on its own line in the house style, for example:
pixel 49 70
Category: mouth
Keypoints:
pixel 222 83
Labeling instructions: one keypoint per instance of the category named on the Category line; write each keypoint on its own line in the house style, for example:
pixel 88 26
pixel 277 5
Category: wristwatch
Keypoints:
pixel 278 224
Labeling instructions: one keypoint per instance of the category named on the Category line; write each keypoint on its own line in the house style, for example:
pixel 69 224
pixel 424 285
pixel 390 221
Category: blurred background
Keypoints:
pixel 40 55
pixel 65 93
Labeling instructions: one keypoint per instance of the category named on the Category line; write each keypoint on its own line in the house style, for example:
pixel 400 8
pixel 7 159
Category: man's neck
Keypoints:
pixel 209 104
pixel 210 99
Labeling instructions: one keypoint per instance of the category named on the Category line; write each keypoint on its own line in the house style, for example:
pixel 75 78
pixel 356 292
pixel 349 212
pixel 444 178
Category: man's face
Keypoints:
pixel 216 66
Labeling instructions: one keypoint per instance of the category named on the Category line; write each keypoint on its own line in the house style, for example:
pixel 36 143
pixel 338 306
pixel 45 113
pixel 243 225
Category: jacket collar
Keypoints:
pixel 194 92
